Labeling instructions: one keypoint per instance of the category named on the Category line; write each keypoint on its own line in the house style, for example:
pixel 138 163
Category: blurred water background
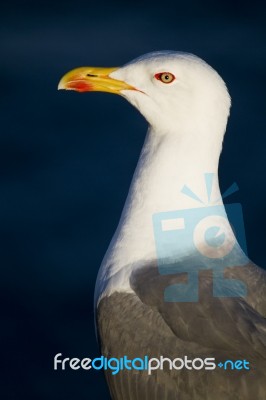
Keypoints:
pixel 67 161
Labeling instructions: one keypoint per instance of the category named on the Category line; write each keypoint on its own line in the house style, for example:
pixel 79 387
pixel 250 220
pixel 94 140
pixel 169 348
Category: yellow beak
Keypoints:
pixel 91 79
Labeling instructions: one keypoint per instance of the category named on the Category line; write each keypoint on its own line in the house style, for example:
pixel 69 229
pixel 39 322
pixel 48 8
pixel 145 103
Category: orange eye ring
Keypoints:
pixel 165 77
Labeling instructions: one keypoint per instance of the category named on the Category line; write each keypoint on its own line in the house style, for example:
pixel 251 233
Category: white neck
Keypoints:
pixel 167 163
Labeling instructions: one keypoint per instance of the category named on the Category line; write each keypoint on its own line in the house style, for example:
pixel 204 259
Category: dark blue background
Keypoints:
pixel 67 161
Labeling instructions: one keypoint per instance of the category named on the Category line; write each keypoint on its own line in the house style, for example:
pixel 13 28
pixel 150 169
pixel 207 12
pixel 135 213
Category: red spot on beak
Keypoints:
pixel 80 86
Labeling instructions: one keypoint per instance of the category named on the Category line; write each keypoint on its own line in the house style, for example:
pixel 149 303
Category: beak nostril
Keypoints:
pixel 91 75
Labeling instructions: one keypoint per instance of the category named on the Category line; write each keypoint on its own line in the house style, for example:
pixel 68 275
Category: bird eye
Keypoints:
pixel 165 77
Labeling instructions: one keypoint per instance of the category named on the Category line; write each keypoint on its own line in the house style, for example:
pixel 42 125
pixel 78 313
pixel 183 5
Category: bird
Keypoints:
pixel 155 294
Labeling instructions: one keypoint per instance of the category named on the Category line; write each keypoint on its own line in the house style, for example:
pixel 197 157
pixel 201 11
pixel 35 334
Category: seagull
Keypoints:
pixel 175 282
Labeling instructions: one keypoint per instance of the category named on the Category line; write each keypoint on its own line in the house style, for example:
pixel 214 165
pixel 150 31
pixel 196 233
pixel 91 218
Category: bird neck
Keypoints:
pixel 167 163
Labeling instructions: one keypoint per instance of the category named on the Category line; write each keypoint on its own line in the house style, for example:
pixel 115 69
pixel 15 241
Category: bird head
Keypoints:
pixel 171 89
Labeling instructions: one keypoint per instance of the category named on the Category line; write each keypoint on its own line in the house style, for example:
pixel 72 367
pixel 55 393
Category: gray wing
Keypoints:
pixel 142 323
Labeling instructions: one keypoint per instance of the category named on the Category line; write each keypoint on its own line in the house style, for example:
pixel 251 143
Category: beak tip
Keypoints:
pixel 60 86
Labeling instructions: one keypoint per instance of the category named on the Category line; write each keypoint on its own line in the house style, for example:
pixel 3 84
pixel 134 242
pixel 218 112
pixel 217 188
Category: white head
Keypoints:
pixel 174 91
